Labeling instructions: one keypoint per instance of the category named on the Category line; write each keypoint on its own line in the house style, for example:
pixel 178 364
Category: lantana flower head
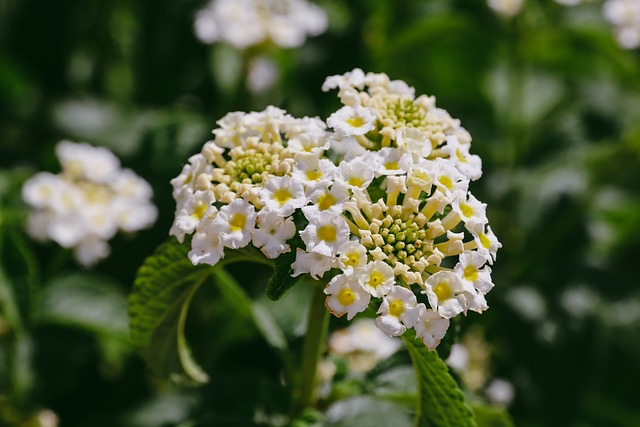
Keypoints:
pixel 391 226
pixel 86 204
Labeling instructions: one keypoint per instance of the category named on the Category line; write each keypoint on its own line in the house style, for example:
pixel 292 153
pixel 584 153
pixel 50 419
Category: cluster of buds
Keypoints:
pixel 381 203
pixel 88 202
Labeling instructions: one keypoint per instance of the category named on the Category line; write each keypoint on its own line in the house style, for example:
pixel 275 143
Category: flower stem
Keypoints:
pixel 314 343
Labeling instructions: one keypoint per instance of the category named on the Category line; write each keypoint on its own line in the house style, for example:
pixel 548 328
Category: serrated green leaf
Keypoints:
pixel 162 291
pixel 492 416
pixel 440 402
pixel 159 303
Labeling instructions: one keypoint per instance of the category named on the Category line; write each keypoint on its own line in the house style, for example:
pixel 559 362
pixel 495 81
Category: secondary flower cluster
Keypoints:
pixel 624 15
pixel 243 23
pixel 88 202
pixel 380 204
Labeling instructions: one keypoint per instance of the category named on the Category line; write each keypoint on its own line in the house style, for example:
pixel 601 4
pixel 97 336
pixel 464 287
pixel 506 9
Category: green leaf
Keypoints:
pixel 158 306
pixel 88 302
pixel 492 416
pixel 235 295
pixel 366 411
pixel 163 289
pixel 282 279
pixel 440 402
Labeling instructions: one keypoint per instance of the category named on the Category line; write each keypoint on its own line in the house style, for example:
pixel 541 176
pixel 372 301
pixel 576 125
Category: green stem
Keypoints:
pixel 317 325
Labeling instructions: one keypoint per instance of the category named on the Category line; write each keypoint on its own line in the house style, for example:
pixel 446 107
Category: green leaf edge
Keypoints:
pixel 440 402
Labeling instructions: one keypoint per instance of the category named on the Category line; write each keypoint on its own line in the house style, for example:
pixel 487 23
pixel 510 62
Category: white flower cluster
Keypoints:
pixel 507 8
pixel 243 23
pixel 362 344
pixel 382 203
pixel 88 202
pixel 625 17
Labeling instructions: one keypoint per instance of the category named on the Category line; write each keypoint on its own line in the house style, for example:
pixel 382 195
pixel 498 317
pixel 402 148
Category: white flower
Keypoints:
pixel 392 161
pixel 625 16
pixel 312 171
pixel 353 78
pixel 351 256
pixel 345 295
pixel 471 211
pixel 376 277
pixel 447 178
pixel 282 195
pixel 235 223
pixel 397 311
pixel 88 202
pixel 363 344
pixel 500 392
pixel 471 269
pixel 508 8
pixel 470 165
pixel 262 74
pixel 206 246
pixel 192 211
pixel 314 263
pixel 357 174
pixel 430 326
pixel 133 214
pixel 325 233
pixel 413 141
pixel 90 250
pixel 100 221
pixel 84 161
pixel 487 244
pixel 272 233
pixel 352 120
pixel 445 293
pixel 40 190
pixel 243 23
pixel 325 199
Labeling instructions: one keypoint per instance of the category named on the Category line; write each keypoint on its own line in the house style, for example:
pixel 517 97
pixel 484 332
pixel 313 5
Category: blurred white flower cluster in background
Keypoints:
pixel 383 200
pixel 258 28
pixel 88 202
pixel 243 23
pixel 624 15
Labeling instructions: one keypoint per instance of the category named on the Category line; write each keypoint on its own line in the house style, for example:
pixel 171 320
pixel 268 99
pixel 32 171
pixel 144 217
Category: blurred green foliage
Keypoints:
pixel 553 105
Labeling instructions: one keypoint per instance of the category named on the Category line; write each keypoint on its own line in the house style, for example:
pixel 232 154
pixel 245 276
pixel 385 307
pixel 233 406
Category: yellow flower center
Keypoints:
pixel 442 291
pixel 396 308
pixel 328 233
pixel 446 181
pixel 356 122
pixel 346 297
pixel 313 175
pixel 282 195
pixel 325 201
pixel 237 222
pixel 200 210
pixel 470 273
pixel 460 156
pixel 484 240
pixel 391 165
pixel 466 210
pixel 376 279
pixel 355 181
pixel 353 259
